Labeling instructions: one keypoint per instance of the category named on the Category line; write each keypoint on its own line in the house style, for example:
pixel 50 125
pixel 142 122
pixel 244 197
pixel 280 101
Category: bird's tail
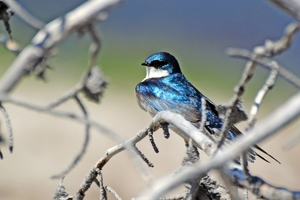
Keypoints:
pixel 252 154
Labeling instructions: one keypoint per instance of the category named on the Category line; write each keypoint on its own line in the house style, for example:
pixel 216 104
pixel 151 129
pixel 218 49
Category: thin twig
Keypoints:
pixel 272 48
pixel 201 140
pixel 35 106
pixel 88 180
pixel 143 157
pixel 49 37
pixel 9 128
pixel 225 129
pixel 290 6
pixel 66 96
pixel 269 84
pixel 24 15
pixel 103 195
pixel 286 113
pixel 203 115
pixel 109 189
pixel 264 62
pixel 85 143
pixel 94 47
pixel 231 188
pixel 176 197
pixel 60 192
pixel 246 194
pixel 244 164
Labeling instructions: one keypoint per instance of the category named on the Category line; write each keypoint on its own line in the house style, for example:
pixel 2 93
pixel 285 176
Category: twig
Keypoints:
pixel 244 164
pixel 290 6
pixel 245 54
pixel 286 113
pixel 103 195
pixel 203 115
pixel 143 157
pixel 88 180
pixel 269 49
pixel 5 14
pixel 60 192
pixel 24 15
pixel 246 194
pixel 269 84
pixel 231 188
pixel 37 107
pixel 201 140
pixel 9 128
pixel 94 47
pixel 66 96
pixel 225 128
pixel 192 156
pixel 176 197
pixel 85 143
pixel 272 48
pixel 49 37
pixel 112 152
pixel 109 189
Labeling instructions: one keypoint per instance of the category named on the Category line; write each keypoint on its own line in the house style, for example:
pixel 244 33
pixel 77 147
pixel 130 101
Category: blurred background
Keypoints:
pixel 197 33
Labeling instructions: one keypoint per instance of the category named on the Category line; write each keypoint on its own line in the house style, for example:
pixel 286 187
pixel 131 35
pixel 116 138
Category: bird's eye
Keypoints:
pixel 157 63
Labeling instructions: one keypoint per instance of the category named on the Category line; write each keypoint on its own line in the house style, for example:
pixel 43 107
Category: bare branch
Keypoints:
pixel 94 47
pixel 61 193
pixel 277 120
pixel 203 116
pixel 269 64
pixel 177 197
pixel 272 48
pixel 85 143
pixel 103 195
pixel 8 126
pixel 109 189
pixel 66 96
pixel 49 37
pixel 5 14
pixel 143 157
pixel 37 107
pixel 189 131
pixel 269 84
pixel 290 6
pixel 20 11
pixel 88 180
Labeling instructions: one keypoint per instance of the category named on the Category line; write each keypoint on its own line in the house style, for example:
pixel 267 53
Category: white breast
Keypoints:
pixel 152 72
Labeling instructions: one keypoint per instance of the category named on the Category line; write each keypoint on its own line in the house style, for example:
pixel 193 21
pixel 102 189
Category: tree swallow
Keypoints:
pixel 166 88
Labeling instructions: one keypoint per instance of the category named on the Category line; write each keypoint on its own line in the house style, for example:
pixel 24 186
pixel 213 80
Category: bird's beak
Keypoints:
pixel 144 64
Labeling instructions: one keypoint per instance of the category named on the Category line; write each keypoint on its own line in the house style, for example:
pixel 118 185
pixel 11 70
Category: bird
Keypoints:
pixel 166 88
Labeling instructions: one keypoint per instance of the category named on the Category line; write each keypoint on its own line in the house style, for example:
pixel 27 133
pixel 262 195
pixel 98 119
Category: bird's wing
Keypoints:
pixel 154 96
pixel 153 104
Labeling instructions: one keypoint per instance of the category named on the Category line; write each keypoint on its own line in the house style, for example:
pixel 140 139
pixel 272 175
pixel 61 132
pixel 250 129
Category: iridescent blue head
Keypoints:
pixel 161 64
